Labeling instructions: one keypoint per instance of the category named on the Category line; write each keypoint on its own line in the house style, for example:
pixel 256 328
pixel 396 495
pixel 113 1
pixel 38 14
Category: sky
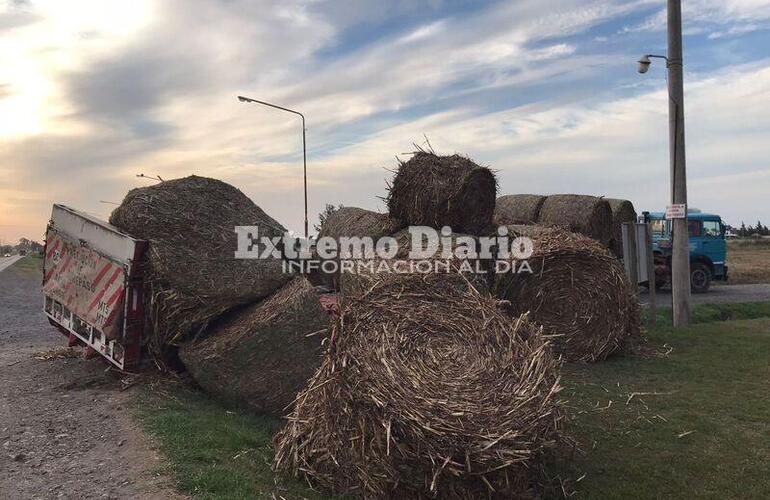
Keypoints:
pixel 545 92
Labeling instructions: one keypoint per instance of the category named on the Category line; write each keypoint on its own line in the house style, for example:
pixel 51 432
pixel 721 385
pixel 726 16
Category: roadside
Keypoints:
pixel 65 427
pixel 695 418
pixel 635 419
pixel 749 261
pixel 726 294
pixel 6 262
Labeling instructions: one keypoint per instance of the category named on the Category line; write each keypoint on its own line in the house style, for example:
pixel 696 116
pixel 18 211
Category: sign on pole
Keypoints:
pixel 676 212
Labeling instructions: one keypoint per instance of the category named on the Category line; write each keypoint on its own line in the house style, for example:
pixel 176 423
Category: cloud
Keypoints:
pixel 97 91
pixel 703 16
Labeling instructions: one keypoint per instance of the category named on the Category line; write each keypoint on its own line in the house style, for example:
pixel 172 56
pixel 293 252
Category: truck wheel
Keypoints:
pixel 700 277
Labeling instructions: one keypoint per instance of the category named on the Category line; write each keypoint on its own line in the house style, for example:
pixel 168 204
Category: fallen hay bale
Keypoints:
pixel 193 275
pixel 622 211
pixel 437 191
pixel 577 291
pixel 427 390
pixel 587 215
pixel 261 356
pixel 352 222
pixel 518 209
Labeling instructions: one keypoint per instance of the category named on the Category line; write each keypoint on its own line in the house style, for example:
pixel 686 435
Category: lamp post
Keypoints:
pixel 680 259
pixel 304 147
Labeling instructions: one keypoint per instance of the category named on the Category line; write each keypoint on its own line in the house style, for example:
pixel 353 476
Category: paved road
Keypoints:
pixel 727 294
pixel 6 262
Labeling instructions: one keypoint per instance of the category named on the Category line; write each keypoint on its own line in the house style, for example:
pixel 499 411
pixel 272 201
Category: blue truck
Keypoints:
pixel 708 248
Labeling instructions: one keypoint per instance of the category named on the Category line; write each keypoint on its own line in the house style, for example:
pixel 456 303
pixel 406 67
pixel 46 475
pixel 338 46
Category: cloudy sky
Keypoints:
pixel 543 91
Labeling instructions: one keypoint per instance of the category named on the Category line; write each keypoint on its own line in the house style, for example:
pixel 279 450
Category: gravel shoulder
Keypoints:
pixel 65 425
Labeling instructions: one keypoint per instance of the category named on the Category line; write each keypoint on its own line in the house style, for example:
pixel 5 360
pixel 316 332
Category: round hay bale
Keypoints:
pixel 461 255
pixel 587 215
pixel 577 291
pixel 351 222
pixel 622 211
pixel 468 242
pixel 437 191
pixel 518 209
pixel 427 390
pixel 261 356
pixel 193 275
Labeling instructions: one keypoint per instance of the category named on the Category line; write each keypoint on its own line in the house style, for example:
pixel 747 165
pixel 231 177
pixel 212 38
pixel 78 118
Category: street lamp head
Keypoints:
pixel 644 64
pixel 243 99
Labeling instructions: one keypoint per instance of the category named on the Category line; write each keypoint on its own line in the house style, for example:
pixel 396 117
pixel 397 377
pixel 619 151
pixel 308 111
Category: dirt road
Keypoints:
pixel 64 430
pixel 727 294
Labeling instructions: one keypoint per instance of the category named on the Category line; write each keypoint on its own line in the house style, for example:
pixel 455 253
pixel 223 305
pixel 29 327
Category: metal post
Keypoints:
pixel 632 255
pixel 651 275
pixel 680 265
pixel 304 169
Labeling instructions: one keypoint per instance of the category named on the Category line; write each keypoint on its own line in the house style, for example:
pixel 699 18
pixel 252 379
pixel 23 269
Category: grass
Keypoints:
pixel 214 453
pixel 695 423
pixel 749 261
pixel 709 313
pixel 29 264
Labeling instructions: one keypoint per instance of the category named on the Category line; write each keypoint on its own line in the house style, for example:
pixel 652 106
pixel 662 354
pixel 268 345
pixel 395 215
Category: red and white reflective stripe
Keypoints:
pixel 110 283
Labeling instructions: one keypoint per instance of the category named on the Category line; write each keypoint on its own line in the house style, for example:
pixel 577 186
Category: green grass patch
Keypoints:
pixel 710 313
pixel 692 424
pixel 29 264
pixel 215 453
pixel 695 424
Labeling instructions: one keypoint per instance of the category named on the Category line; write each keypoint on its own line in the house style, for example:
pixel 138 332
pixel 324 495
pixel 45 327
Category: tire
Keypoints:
pixel 700 277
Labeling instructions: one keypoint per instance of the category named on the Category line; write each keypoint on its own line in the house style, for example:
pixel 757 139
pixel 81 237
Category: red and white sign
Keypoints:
pixel 88 284
pixel 676 212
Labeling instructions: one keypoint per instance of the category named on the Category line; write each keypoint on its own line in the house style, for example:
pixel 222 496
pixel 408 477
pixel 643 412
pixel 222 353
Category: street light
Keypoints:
pixel 680 258
pixel 644 62
pixel 156 178
pixel 304 147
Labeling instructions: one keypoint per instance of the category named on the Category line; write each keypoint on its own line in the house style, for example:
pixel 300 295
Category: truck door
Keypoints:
pixel 714 245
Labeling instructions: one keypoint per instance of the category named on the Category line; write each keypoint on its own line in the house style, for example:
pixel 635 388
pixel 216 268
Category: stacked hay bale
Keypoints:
pixel 260 357
pixel 352 222
pixel 436 191
pixel 193 276
pixel 518 209
pixel 622 212
pixel 587 215
pixel 577 291
pixel 427 390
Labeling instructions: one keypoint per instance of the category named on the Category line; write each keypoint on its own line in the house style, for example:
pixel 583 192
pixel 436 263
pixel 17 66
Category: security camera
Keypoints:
pixel 644 64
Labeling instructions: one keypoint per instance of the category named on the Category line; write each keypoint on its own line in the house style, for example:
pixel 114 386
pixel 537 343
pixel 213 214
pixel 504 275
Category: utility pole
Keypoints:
pixel 680 264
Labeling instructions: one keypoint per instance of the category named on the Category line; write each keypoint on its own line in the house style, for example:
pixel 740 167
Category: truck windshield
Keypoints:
pixel 658 227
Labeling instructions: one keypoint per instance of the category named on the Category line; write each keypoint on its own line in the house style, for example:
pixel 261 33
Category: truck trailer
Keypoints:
pixel 93 285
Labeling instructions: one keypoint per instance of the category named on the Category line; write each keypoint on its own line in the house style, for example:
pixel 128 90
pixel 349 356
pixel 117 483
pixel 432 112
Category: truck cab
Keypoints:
pixel 708 248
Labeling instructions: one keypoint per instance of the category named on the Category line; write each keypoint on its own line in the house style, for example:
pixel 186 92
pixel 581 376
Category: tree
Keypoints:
pixel 29 246
pixel 743 231
pixel 328 210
